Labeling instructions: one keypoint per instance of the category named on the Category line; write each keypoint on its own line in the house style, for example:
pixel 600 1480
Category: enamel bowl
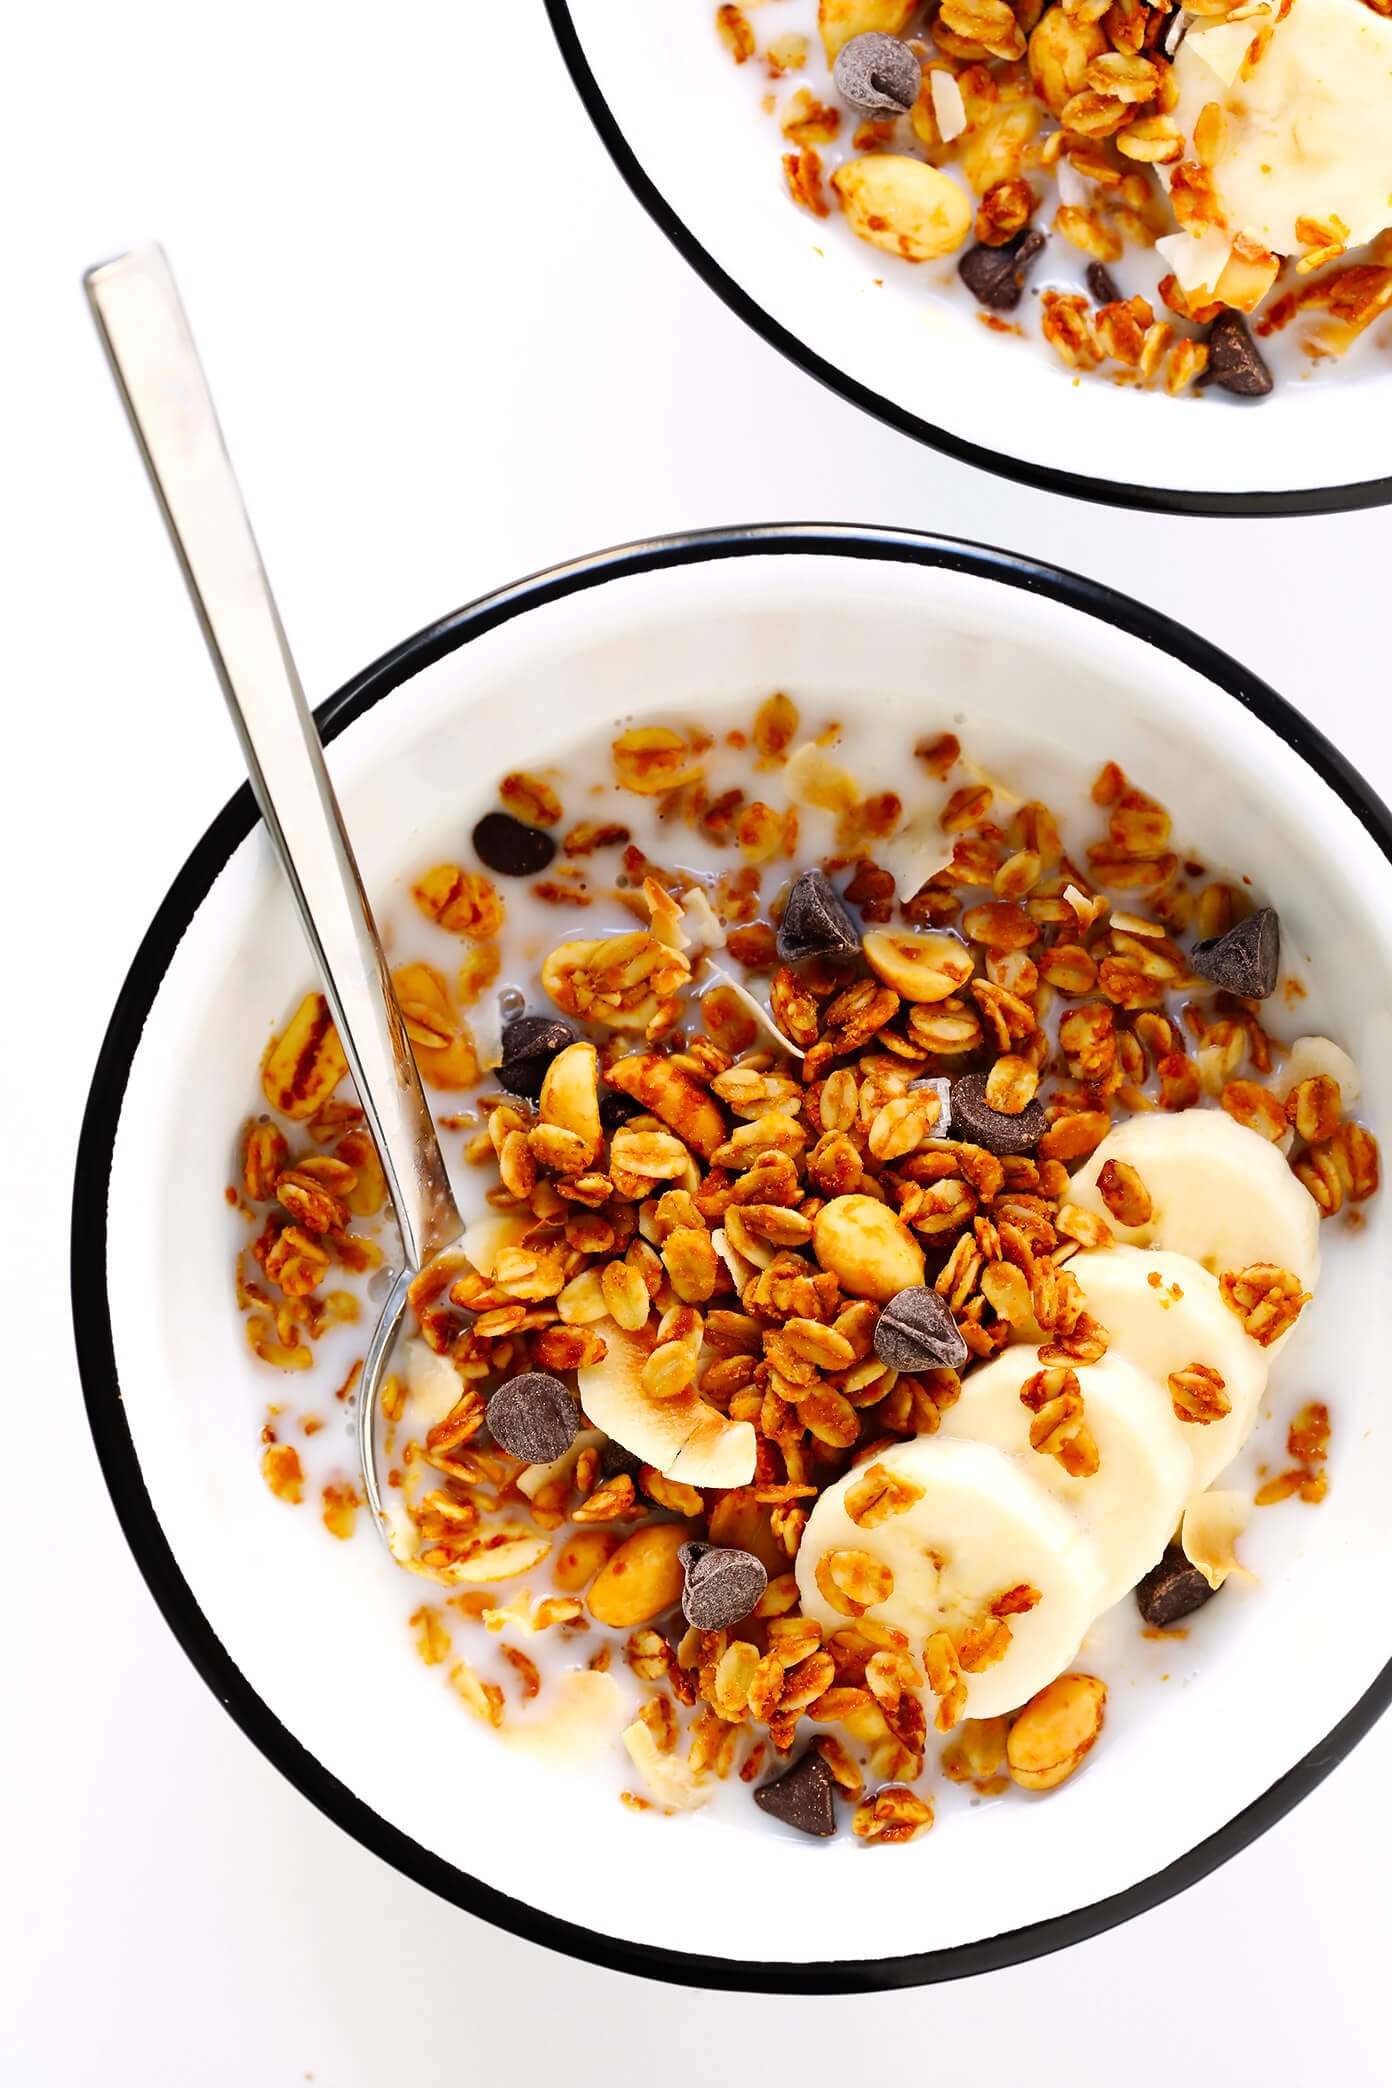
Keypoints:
pixel 687 131
pixel 304 1640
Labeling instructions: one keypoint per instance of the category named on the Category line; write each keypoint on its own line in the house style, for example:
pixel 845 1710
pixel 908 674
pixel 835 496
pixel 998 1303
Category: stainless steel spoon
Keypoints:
pixel 146 333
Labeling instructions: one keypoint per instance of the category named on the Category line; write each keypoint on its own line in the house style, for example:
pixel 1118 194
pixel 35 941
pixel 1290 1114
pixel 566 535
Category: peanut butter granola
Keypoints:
pixel 886 1214
pixel 1157 175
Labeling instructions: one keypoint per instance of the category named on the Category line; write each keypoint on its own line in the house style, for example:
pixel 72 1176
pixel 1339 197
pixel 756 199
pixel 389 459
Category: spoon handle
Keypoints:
pixel 143 325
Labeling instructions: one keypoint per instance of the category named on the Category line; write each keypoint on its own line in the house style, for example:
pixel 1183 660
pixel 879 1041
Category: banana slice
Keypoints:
pixel 1218 1192
pixel 682 1437
pixel 483 1239
pixel 972 1524
pixel 1163 1312
pixel 1130 1505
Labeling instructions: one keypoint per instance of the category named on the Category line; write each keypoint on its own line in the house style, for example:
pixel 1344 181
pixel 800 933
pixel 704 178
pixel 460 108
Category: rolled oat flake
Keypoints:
pixel 1245 961
pixel 815 922
pixel 533 1417
pixel 802 1797
pixel 722 1584
pixel 916 1331
pixel 878 74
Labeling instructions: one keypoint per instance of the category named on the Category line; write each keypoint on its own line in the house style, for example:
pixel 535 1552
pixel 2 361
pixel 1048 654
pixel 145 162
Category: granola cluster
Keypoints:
pixel 1059 122
pixel 723 1180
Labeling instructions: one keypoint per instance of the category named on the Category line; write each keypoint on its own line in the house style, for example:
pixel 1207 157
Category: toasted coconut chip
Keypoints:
pixel 672 1782
pixel 578 1720
pixel 949 109
pixel 704 925
pixel 757 1009
pixel 919 850
pixel 1212 1524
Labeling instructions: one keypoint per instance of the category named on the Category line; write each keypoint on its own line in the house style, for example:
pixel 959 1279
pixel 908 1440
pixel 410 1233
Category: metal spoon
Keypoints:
pixel 146 333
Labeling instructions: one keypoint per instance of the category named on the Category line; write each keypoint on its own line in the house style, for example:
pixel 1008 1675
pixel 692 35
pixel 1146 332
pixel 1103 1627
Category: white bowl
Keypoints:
pixel 304 1640
pixel 688 134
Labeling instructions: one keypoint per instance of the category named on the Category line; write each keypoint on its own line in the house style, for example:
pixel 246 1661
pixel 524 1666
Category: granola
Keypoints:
pixel 879 1245
pixel 1231 162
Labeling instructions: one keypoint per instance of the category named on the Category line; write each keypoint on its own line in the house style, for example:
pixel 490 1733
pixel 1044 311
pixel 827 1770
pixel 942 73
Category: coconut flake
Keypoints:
pixel 1196 263
pixel 917 852
pixel 949 109
pixel 757 1009
pixel 1212 1524
pixel 672 1782
pixel 707 928
pixel 578 1720
pixel 1085 910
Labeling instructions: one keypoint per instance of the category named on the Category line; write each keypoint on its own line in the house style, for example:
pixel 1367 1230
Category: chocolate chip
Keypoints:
pixel 1099 282
pixel 1171 1590
pixel 974 1121
pixel 614 1461
pixel 916 1331
pixel 815 923
pixel 511 848
pixel 530 1042
pixel 878 74
pixel 802 1796
pixel 722 1584
pixel 1246 960
pixel 995 276
pixel 616 1109
pixel 533 1417
pixel 1235 362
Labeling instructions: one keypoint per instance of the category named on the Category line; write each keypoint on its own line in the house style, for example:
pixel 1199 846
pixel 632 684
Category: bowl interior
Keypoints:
pixel 885 333
pixel 1042 693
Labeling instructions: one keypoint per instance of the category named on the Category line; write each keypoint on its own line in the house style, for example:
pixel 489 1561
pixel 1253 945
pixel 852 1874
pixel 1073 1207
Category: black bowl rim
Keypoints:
pixel 96 1346
pixel 1167 500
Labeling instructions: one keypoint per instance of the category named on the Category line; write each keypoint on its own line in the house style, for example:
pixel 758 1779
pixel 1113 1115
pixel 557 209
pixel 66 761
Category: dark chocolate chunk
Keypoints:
pixel 1246 960
pixel 1171 1590
pixel 916 1331
pixel 802 1796
pixel 511 848
pixel 614 1461
pixel 974 1121
pixel 877 74
pixel 530 1042
pixel 616 1109
pixel 722 1585
pixel 815 923
pixel 533 1417
pixel 1099 282
pixel 995 276
pixel 1235 362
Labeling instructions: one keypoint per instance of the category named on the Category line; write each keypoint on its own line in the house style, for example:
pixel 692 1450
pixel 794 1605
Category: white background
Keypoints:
pixel 449 348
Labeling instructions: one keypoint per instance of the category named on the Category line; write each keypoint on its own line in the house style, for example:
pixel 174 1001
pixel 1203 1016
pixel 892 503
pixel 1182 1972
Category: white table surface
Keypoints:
pixel 449 348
